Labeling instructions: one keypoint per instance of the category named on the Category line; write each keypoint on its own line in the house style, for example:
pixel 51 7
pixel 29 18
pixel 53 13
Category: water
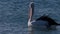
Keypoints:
pixel 14 15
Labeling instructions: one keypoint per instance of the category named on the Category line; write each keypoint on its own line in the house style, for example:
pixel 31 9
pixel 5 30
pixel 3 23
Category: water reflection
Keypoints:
pixel 42 30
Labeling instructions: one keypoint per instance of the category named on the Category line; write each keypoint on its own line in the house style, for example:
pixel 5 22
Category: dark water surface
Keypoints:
pixel 14 15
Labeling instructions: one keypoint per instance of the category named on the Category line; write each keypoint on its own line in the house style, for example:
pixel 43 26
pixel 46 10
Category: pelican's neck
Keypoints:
pixel 31 11
pixel 29 22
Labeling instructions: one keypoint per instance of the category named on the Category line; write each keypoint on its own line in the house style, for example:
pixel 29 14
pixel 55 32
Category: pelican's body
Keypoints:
pixel 37 23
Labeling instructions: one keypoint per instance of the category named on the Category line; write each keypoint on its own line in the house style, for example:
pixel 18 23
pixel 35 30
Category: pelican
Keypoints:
pixel 43 21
